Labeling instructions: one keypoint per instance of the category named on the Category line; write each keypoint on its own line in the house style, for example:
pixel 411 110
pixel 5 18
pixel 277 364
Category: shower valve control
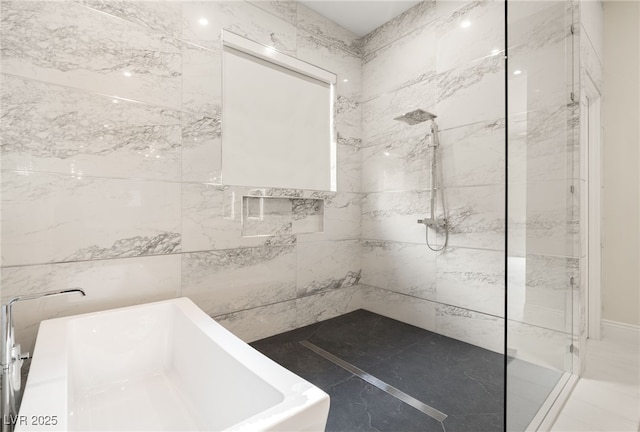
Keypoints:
pixel 433 223
pixel 428 222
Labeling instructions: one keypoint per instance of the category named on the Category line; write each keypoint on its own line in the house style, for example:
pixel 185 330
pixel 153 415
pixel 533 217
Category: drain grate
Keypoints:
pixel 398 394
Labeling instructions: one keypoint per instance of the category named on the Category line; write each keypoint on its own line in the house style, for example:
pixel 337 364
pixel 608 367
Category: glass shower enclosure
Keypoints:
pixel 542 208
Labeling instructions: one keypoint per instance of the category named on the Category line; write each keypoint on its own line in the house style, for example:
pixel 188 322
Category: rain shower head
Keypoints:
pixel 416 116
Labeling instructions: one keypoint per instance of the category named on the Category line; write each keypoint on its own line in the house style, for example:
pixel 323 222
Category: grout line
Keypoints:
pixel 389 389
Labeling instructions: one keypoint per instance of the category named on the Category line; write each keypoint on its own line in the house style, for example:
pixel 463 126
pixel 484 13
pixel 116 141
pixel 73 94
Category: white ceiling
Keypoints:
pixel 360 16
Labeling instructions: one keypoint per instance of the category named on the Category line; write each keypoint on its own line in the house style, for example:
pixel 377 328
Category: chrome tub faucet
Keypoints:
pixel 12 358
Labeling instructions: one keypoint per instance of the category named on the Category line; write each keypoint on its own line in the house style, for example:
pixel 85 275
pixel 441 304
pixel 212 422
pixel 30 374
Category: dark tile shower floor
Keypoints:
pixel 460 380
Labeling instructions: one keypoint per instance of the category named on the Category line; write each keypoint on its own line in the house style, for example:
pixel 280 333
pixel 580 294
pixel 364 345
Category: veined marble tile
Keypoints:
pixel 544 79
pixel 545 218
pixel 471 93
pixel 161 16
pixel 202 79
pixel 401 267
pixel 407 60
pixel 56 129
pixel 108 284
pixel 403 162
pixel 476 216
pixel 212 219
pixel 393 216
pixel 418 16
pixel 411 310
pixel 542 158
pixel 471 32
pixel 204 21
pixel 325 266
pixel 326 305
pixel 202 146
pixel 68 44
pixel 540 291
pixel 474 154
pixel 52 218
pixel 334 35
pixel 307 215
pixel 226 281
pixel 261 322
pixel 532 24
pixel 485 331
pixel 342 214
pixel 471 279
pixel 285 9
pixel 348 117
pixel 378 114
pixel 333 57
pixel 540 346
pixel 272 319
pixel 349 165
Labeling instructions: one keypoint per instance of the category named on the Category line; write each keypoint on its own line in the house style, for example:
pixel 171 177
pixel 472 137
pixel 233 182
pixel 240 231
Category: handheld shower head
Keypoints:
pixel 415 117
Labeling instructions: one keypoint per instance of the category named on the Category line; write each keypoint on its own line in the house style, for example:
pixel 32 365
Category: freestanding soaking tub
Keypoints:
pixel 160 366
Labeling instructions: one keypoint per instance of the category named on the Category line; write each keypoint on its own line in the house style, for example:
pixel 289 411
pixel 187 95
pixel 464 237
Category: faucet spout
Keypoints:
pixel 45 294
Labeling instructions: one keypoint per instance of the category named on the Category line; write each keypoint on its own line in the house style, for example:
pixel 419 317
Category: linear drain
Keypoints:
pixel 398 394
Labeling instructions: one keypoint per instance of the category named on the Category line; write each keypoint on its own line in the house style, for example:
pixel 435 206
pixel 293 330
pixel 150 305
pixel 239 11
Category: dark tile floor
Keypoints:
pixel 461 380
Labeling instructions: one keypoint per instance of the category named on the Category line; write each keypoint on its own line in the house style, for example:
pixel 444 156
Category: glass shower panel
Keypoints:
pixel 541 265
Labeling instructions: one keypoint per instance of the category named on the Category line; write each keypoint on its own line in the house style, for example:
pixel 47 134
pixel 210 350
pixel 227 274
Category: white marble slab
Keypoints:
pixel 471 279
pixel 401 162
pixel 414 18
pixel 485 331
pixel 547 220
pixel 324 266
pixel 411 310
pixel 472 31
pixel 161 16
pixel 334 35
pixel 276 318
pixel 393 216
pixel 204 21
pixel 405 268
pixel 342 213
pixel 52 218
pixel 473 155
pixel 349 165
pixel 56 129
pixel 226 281
pixel 537 345
pixel 405 61
pixel 68 44
pixel 471 93
pixel 476 216
pixel 285 9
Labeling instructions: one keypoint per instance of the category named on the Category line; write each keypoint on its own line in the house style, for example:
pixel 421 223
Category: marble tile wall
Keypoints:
pixel 111 176
pixel 443 57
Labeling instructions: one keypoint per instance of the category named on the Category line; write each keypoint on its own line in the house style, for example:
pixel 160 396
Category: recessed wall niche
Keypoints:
pixel 269 216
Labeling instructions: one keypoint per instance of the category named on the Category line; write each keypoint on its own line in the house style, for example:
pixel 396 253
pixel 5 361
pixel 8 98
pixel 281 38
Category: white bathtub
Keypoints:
pixel 160 366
